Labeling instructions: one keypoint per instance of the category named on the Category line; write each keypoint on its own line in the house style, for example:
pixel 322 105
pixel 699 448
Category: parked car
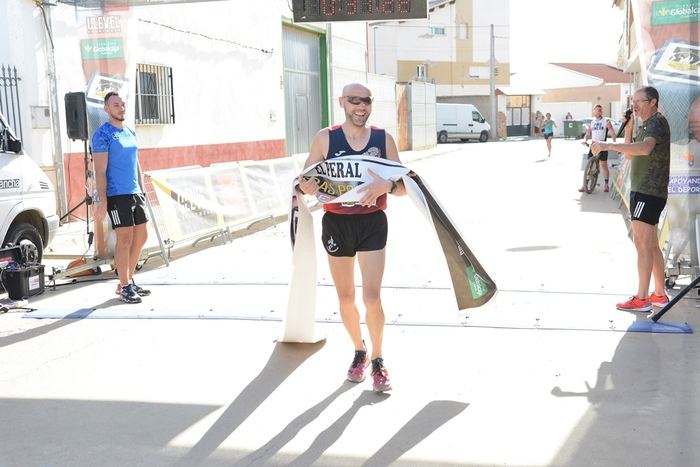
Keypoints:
pixel 460 121
pixel 587 124
pixel 27 198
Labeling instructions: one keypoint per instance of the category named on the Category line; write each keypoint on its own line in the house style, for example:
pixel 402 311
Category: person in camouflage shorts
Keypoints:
pixel 649 153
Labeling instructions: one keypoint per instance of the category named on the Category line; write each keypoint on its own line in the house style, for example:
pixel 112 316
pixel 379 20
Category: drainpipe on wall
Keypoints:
pixel 492 86
pixel 53 103
pixel 329 36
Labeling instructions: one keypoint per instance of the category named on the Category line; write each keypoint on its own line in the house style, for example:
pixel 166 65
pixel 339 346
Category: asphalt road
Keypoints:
pixel 544 374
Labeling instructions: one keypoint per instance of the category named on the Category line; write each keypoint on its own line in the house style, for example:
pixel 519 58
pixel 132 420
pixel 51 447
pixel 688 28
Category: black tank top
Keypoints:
pixel 338 146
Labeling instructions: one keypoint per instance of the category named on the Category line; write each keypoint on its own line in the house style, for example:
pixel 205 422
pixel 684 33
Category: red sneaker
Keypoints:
pixel 635 304
pixel 657 300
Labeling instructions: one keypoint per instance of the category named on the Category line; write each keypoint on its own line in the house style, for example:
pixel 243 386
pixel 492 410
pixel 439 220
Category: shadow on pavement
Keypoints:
pixel 428 420
pixel 74 317
pixel 330 435
pixel 261 455
pixel 648 392
pixel 84 432
pixel 283 361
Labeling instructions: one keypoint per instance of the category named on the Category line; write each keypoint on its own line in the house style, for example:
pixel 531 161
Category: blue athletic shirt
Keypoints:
pixel 122 161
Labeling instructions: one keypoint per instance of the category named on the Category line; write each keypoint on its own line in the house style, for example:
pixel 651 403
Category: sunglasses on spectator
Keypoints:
pixel 356 100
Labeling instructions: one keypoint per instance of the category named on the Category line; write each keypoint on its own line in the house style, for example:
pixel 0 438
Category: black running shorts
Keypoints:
pixel 646 208
pixel 602 156
pixel 346 234
pixel 127 210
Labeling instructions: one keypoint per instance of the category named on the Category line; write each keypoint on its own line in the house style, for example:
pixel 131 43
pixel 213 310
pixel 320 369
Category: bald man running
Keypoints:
pixel 360 229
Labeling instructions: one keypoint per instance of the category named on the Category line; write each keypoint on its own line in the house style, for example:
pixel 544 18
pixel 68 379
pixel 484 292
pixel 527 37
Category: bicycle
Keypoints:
pixel 591 171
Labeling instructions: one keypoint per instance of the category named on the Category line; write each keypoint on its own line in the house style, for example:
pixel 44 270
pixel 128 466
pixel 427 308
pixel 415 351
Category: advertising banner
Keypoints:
pixel 669 53
pixel 103 37
pixel 340 179
pixel 196 202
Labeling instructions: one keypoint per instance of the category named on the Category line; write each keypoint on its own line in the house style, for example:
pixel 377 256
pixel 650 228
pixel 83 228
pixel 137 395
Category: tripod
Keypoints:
pixel 82 266
pixel 87 201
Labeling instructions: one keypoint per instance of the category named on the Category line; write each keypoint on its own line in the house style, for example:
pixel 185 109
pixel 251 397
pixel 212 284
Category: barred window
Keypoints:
pixel 155 102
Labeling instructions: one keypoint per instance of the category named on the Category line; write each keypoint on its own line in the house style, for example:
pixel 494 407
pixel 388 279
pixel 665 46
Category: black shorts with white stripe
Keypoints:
pixel 127 210
pixel 646 208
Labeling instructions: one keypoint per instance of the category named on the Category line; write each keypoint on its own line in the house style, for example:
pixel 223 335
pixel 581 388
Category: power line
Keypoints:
pixel 265 51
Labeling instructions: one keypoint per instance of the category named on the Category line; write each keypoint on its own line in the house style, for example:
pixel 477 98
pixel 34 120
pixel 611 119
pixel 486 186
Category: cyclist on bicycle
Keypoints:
pixel 598 131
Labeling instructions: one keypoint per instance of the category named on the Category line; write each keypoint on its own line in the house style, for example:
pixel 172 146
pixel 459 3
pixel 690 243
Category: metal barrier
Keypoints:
pixel 191 204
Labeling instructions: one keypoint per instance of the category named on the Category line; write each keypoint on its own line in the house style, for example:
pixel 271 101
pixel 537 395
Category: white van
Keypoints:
pixel 460 121
pixel 27 198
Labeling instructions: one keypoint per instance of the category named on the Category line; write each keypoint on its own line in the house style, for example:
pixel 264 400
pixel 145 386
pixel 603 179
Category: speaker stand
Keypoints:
pixel 87 201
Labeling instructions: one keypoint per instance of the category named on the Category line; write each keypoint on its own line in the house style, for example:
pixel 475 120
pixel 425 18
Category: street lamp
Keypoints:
pixel 374 48
pixel 492 80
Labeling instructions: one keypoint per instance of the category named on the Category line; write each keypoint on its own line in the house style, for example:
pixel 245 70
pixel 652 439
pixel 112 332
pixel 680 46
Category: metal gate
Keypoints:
pixel 301 57
pixel 9 98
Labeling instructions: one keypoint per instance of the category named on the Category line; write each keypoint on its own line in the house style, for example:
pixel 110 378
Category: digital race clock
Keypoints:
pixel 321 11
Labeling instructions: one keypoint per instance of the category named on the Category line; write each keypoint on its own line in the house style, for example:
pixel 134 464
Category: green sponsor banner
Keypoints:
pixel 675 12
pixel 102 49
pixel 478 286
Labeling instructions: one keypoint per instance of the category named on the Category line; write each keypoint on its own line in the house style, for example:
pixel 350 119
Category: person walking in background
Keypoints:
pixel 650 160
pixel 539 119
pixel 120 193
pixel 360 229
pixel 599 130
pixel 548 131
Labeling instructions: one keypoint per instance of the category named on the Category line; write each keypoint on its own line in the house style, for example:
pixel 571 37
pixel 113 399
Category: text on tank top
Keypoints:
pixel 338 146
pixel 599 130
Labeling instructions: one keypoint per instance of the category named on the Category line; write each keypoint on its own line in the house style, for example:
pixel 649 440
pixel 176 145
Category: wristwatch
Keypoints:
pixel 393 187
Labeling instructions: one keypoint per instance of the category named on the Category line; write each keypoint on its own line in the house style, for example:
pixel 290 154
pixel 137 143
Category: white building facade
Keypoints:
pixel 205 82
pixel 452 49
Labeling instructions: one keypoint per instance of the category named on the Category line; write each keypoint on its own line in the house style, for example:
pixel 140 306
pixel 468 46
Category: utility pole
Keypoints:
pixel 374 48
pixel 55 118
pixel 492 86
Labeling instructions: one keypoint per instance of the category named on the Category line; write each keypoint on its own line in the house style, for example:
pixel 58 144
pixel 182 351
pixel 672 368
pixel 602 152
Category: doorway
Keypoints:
pixel 301 56
pixel 518 113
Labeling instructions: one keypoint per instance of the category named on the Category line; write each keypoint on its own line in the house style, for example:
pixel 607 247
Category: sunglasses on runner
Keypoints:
pixel 356 100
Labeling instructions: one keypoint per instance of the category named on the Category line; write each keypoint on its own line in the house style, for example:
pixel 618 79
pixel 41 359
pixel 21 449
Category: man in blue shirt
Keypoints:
pixel 121 194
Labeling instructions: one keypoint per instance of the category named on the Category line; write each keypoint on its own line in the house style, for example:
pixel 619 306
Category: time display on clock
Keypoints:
pixel 313 11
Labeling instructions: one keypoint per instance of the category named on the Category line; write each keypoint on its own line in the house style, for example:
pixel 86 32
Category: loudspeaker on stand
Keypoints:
pixel 76 116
